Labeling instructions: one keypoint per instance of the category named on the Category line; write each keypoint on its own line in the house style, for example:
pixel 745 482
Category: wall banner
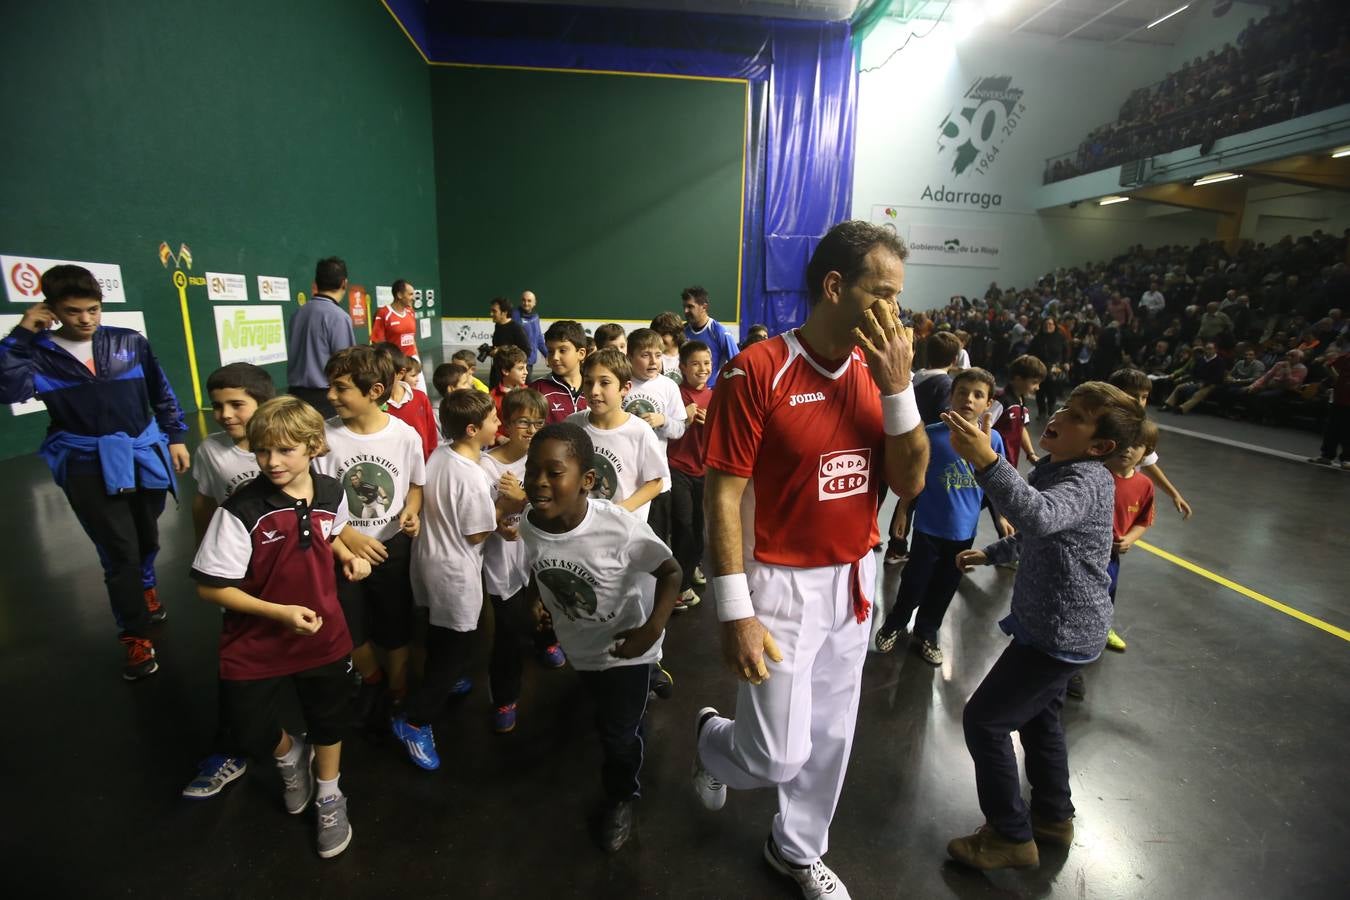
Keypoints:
pixel 954 245
pixel 227 287
pixel 23 277
pixel 250 334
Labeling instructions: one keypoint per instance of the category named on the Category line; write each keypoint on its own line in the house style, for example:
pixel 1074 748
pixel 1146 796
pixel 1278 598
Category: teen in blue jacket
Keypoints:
pixel 114 443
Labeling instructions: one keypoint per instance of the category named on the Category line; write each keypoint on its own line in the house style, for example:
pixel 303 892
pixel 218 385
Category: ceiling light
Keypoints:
pixel 1216 178
pixel 1107 201
pixel 1339 152
pixel 1168 16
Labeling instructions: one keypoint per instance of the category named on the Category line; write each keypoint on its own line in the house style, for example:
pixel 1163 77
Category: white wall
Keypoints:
pixel 1066 89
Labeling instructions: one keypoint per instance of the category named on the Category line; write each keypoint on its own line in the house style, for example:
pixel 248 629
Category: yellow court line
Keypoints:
pixel 399 23
pixel 1245 591
pixel 566 71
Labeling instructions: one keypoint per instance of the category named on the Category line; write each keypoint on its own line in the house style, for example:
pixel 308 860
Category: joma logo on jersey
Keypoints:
pixel 844 473
pixel 815 397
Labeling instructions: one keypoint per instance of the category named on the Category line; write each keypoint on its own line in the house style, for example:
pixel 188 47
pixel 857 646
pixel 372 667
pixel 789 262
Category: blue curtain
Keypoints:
pixel 799 172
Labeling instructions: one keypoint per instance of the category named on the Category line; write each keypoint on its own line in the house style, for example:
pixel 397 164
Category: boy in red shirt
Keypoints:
pixel 511 375
pixel 409 405
pixel 1132 517
pixel 268 559
pixel 685 455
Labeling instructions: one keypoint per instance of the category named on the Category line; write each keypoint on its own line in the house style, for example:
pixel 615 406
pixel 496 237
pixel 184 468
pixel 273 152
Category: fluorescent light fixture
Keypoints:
pixel 1107 201
pixel 1216 178
pixel 1339 152
pixel 1169 15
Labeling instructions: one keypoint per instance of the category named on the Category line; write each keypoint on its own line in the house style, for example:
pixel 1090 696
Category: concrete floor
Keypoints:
pixel 1205 760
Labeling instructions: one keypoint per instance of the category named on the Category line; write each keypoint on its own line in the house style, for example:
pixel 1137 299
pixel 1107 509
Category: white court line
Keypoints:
pixel 1241 445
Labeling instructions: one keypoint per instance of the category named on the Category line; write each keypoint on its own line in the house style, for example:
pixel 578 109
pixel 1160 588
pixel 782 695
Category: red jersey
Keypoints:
pixel 1134 503
pixel 274 546
pixel 562 400
pixel 415 410
pixel 686 454
pixel 395 328
pixel 808 434
pixel 1011 424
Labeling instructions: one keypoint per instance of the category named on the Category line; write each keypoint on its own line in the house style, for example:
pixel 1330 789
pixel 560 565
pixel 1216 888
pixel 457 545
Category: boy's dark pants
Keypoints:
pixel 658 516
pixel 686 519
pixel 1337 432
pixel 125 531
pixel 1023 692
pixel 512 623
pixel 928 582
pixel 253 707
pixel 620 695
pixel 449 653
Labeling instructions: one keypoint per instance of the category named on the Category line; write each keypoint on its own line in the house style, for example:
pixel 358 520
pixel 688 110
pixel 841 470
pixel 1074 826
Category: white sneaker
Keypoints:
pixel 698 577
pixel 711 792
pixel 817 881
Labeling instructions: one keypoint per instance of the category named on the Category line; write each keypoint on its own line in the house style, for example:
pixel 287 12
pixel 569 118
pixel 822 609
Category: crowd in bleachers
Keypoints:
pixel 1249 334
pixel 1293 62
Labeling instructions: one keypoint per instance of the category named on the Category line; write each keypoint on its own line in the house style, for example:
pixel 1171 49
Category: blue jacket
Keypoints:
pixel 128 410
pixel 535 334
pixel 1062 513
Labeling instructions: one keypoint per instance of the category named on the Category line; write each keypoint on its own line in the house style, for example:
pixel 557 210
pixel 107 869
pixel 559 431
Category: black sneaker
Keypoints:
pixel 660 683
pixel 616 826
pixel 886 639
pixel 140 658
pixel 1077 689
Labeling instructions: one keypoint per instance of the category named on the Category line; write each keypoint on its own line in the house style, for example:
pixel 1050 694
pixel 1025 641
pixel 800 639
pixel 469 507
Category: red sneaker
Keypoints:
pixel 140 658
pixel 156 609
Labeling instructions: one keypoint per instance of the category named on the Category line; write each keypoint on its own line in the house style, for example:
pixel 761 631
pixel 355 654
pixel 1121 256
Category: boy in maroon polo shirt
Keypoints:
pixel 566 342
pixel 275 537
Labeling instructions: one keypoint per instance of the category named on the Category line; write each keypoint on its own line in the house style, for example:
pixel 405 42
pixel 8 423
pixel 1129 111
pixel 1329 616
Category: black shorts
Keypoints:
pixel 379 609
pixel 253 706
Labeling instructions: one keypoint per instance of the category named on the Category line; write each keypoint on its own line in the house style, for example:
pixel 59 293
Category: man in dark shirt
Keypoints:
pixel 507 333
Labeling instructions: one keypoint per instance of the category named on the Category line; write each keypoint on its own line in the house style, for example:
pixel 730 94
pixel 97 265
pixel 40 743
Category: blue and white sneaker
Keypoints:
pixel 504 718
pixel 553 656
pixel 215 772
pixel 461 687
pixel 419 742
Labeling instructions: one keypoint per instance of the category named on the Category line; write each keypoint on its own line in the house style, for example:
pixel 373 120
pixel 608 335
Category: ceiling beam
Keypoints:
pixel 1309 171
pixel 1036 15
pixel 1101 15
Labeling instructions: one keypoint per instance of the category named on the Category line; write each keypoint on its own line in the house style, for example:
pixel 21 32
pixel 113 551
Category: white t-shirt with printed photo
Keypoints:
pixel 220 466
pixel 503 560
pixel 596 581
pixel 446 569
pixel 375 471
pixel 662 395
pixel 626 458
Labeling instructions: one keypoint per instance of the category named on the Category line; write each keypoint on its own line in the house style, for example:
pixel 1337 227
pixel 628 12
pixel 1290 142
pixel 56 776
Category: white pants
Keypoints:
pixel 795 731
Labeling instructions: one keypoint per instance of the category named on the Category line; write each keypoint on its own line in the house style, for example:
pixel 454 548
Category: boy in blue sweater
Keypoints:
pixel 1061 611
pixel 115 441
pixel 945 518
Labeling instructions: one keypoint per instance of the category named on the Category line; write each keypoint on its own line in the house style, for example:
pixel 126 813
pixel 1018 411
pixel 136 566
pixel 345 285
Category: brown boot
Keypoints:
pixel 987 849
pixel 1049 832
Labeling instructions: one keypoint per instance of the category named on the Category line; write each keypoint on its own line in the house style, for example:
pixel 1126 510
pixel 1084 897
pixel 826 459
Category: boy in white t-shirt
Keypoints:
pixel 630 465
pixel 671 329
pixel 378 459
pixel 525 411
pixel 656 400
pixel 223 462
pixel 609 586
pixel 447 564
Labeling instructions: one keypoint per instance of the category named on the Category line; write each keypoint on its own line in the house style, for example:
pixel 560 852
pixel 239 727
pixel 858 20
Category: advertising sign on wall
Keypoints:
pixel 250 334
pixel 945 245
pixel 23 277
pixel 273 290
pixel 224 286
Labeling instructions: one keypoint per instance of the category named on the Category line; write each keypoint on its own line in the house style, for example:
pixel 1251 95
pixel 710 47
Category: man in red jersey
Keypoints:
pixel 802 430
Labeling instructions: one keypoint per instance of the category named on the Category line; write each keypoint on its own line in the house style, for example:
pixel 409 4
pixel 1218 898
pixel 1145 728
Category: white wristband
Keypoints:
pixel 900 412
pixel 732 593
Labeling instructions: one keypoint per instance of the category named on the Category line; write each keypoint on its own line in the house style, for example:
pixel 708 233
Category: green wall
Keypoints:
pixel 264 135
pixel 604 194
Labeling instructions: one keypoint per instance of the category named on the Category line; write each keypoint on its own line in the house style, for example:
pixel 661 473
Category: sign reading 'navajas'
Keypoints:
pixel 250 334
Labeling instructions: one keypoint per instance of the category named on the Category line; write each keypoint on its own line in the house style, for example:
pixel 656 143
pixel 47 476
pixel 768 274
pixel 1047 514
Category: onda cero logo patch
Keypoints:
pixel 844 473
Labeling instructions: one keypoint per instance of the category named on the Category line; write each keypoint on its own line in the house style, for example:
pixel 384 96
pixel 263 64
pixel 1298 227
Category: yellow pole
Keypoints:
pixel 180 282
